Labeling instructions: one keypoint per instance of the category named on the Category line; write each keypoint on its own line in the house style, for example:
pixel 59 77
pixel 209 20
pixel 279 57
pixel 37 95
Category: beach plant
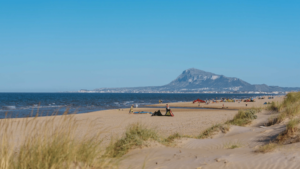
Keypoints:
pixel 243 117
pixel 274 106
pixel 291 98
pixel 232 145
pixel 50 143
pixel 289 108
pixel 291 127
pixel 136 134
pixel 171 138
pixel 275 120
pixel 291 130
pixel 212 130
pixel 267 148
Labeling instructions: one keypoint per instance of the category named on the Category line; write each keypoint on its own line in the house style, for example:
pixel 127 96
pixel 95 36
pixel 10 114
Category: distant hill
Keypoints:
pixel 195 80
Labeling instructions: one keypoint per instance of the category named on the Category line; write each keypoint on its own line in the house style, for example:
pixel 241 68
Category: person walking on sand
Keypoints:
pixel 131 110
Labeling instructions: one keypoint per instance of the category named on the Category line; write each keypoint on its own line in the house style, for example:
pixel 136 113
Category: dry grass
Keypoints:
pixel 232 145
pixel 136 134
pixel 213 129
pixel 290 132
pixel 243 117
pixel 291 99
pixel 169 140
pixel 49 143
pixel 267 148
pixel 289 108
pixel 274 120
pixel 274 106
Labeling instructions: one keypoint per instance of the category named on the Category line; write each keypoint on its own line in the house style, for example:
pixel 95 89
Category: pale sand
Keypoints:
pixel 213 153
pixel 227 105
pixel 114 122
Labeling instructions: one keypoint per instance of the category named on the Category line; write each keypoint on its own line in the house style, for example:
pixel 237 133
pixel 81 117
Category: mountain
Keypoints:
pixel 195 80
pixel 201 80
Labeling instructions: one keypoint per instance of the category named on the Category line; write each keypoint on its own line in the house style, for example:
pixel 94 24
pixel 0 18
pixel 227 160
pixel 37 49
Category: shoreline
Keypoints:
pixel 190 121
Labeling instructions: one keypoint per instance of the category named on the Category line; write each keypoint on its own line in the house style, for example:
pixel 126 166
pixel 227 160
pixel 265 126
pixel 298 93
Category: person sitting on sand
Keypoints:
pixel 167 108
pixel 131 110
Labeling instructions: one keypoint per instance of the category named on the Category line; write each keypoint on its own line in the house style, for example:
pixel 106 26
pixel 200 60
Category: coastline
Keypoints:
pixel 187 152
pixel 259 103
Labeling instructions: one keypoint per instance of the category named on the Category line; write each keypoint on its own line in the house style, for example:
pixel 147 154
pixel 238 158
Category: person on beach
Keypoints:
pixel 131 110
pixel 167 108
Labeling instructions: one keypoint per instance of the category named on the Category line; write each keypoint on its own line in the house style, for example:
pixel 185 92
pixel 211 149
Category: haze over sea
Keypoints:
pixel 27 104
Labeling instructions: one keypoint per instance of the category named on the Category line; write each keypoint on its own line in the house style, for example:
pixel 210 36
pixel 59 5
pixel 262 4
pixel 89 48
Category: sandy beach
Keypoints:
pixel 225 105
pixel 113 123
pixel 189 153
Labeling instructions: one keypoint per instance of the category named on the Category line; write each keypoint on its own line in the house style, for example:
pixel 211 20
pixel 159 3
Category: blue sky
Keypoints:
pixel 51 46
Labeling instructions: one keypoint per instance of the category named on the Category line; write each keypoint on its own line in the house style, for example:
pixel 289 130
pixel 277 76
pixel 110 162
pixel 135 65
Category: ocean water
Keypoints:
pixel 28 104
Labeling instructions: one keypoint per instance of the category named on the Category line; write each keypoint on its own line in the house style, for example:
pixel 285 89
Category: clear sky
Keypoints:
pixel 67 45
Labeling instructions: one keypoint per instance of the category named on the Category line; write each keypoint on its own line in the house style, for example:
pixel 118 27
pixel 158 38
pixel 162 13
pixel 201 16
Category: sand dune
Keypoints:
pixel 214 153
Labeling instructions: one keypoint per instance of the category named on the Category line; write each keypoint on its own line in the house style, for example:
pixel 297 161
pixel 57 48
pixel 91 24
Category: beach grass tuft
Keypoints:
pixel 274 120
pixel 169 140
pixel 213 129
pixel 135 135
pixel 289 108
pixel 232 145
pixel 274 106
pixel 290 132
pixel 49 143
pixel 267 148
pixel 243 117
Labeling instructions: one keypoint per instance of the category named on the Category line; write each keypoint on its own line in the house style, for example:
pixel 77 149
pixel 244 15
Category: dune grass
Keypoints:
pixel 243 117
pixel 267 148
pixel 291 105
pixel 274 106
pixel 275 119
pixel 291 129
pixel 49 143
pixel 289 108
pixel 232 145
pixel 136 134
pixel 212 130
pixel 169 140
pixel 291 98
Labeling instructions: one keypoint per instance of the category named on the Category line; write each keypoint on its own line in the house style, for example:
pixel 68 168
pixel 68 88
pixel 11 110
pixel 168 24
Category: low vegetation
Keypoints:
pixel 232 145
pixel 267 148
pixel 49 144
pixel 213 129
pixel 274 106
pixel 243 117
pixel 289 108
pixel 135 135
pixel 290 134
pixel 171 138
pixel 274 120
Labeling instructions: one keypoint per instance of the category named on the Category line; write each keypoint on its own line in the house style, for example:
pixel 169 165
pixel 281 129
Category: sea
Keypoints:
pixel 18 105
